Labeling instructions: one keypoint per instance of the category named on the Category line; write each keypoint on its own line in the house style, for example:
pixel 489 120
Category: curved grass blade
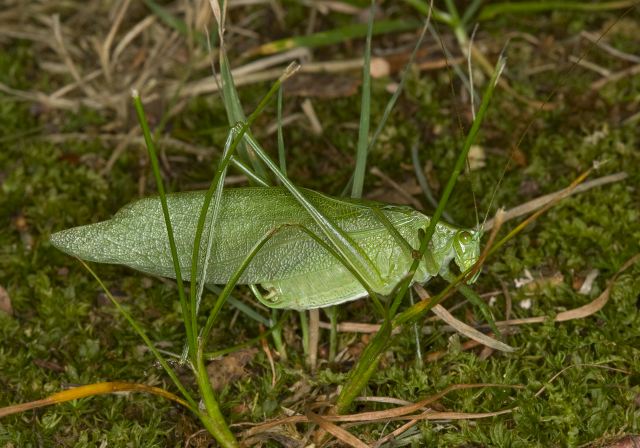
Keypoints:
pixel 92 390
pixel 145 338
pixel 167 219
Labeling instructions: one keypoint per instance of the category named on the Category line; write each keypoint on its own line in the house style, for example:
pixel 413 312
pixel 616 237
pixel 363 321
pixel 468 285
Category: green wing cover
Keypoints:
pixel 136 235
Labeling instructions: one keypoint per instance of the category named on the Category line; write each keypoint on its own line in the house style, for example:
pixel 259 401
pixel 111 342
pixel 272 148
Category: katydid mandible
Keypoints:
pixel 296 271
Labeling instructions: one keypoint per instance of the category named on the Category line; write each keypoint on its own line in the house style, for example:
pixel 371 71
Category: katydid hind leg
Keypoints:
pixel 342 243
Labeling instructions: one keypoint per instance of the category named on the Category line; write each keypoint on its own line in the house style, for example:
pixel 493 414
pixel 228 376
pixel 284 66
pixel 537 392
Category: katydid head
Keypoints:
pixel 466 245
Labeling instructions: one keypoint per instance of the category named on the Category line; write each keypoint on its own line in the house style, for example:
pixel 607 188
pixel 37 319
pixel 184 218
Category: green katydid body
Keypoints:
pixel 296 270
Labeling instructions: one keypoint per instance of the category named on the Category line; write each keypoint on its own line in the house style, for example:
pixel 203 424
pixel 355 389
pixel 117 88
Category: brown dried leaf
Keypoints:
pixel 468 330
pixel 630 441
pixel 230 368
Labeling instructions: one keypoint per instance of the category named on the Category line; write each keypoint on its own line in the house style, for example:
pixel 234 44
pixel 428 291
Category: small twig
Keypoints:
pixel 617 76
pixel 267 351
pixel 393 184
pixel 314 337
pixel 104 49
pixel 582 62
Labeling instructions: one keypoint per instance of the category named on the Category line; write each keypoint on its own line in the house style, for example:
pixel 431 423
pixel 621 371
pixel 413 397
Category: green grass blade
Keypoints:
pixel 233 279
pixel 423 7
pixel 403 78
pixel 174 22
pixel 250 342
pixel 493 10
pixel 453 13
pixel 335 36
pixel 242 307
pixel 424 185
pixel 167 219
pixel 281 152
pixel 470 11
pixel 253 177
pixel 165 16
pixel 216 201
pixel 367 364
pixel 235 113
pixel 365 114
pixel 477 302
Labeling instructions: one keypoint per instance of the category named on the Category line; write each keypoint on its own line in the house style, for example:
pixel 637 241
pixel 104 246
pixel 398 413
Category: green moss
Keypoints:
pixel 64 332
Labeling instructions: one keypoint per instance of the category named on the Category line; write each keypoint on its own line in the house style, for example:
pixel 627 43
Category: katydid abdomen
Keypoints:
pixel 296 270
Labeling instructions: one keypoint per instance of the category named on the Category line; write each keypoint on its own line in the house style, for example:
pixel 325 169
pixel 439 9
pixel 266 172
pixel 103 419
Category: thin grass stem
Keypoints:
pixel 138 329
pixel 282 159
pixel 167 219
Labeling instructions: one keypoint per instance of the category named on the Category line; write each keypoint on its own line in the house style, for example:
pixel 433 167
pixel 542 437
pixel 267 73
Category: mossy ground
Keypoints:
pixel 63 331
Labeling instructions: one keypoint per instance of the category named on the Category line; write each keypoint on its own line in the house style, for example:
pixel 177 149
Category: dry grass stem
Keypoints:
pixel 314 338
pixel 539 202
pixel 336 431
pixel 393 184
pixel 400 413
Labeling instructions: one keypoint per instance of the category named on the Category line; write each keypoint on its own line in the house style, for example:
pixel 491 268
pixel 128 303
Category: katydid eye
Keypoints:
pixel 465 237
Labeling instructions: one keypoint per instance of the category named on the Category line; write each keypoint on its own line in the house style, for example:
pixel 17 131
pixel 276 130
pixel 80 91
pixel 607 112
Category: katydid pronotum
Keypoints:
pixel 295 269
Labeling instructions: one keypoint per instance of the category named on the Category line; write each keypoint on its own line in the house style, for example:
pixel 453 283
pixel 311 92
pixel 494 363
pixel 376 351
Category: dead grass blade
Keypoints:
pixel 399 413
pixel 336 431
pixel 267 352
pixel 583 311
pixel 91 390
pixel 468 330
pixel 104 50
pixel 314 338
pixel 539 202
pixel 577 313
pixel 395 433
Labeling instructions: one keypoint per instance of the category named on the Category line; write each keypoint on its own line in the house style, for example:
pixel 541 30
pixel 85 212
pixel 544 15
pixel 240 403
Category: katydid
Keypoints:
pixel 296 271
